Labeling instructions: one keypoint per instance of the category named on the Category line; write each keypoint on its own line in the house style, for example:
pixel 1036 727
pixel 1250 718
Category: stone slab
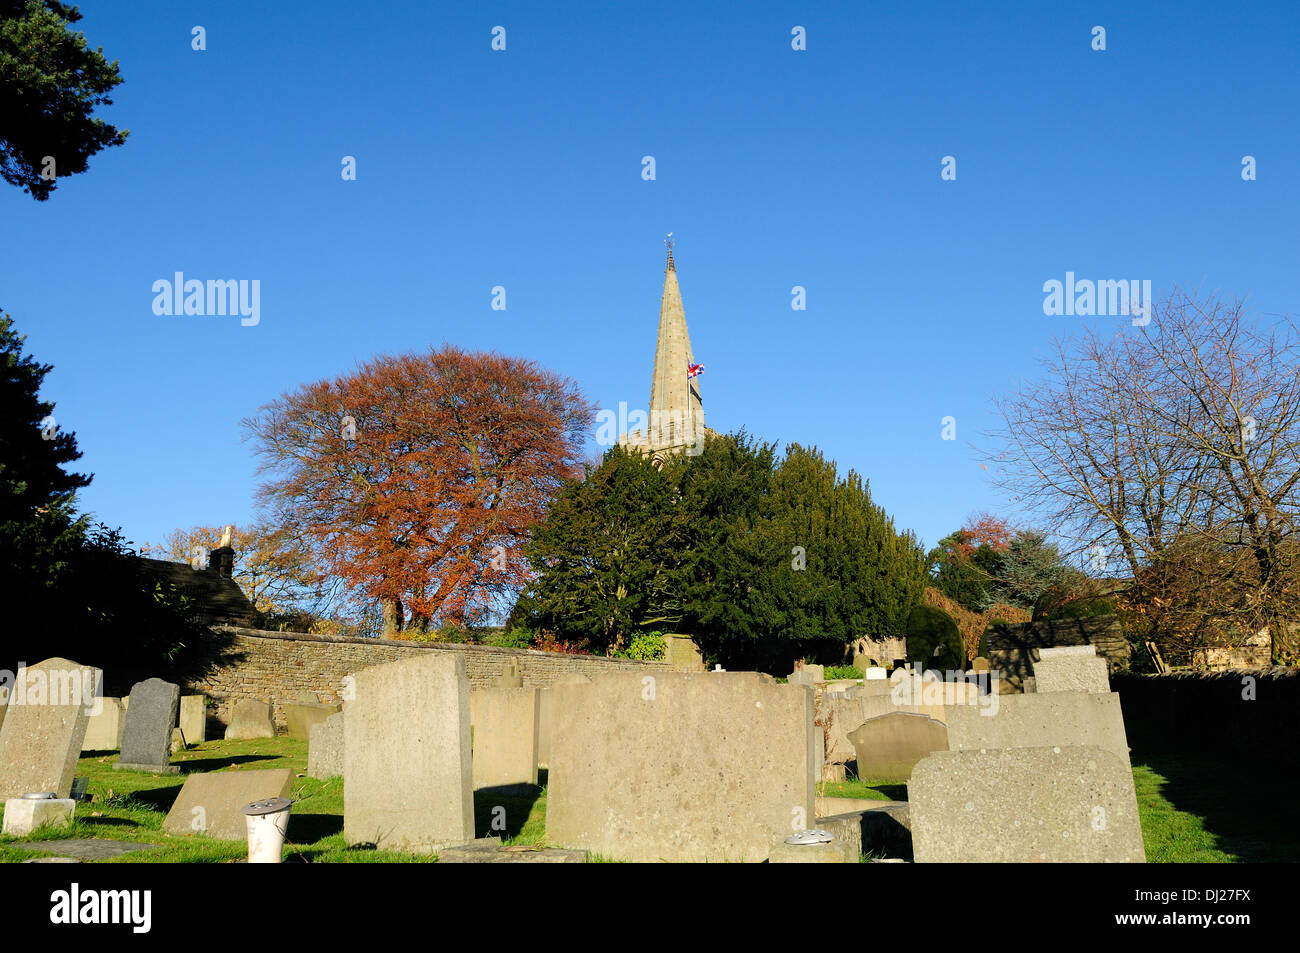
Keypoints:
pixel 194 718
pixel 299 717
pixel 104 729
pixel 150 718
pixel 505 722
pixel 883 827
pixel 325 748
pixel 49 707
pixel 1038 720
pixel 89 848
pixel 681 767
pixel 407 760
pixel 146 768
pixel 1067 651
pixel 210 803
pixel 1071 673
pixel 250 718
pixel 24 817
pixel 832 853
pixel 1022 805
pixel 489 850
pixel 888 746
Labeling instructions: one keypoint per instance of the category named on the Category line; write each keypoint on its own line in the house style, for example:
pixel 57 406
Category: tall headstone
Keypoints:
pixel 104 729
pixel 1018 805
pixel 681 767
pixel 505 724
pixel 194 718
pixel 150 718
pixel 301 716
pixel 510 676
pixel 407 756
pixel 49 707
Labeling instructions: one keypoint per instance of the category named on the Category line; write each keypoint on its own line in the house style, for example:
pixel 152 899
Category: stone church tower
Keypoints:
pixel 676 417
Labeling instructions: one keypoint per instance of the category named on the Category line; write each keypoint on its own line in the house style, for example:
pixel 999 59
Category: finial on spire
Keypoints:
pixel 669 242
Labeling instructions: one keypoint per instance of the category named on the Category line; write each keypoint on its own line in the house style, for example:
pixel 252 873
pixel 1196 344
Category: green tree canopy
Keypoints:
pixel 50 84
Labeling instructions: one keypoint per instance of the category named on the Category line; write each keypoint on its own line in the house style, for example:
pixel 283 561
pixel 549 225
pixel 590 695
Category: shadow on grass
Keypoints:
pixel 310 828
pixel 503 811
pixel 201 765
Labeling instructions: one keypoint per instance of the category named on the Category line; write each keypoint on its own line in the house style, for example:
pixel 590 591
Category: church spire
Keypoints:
pixel 676 411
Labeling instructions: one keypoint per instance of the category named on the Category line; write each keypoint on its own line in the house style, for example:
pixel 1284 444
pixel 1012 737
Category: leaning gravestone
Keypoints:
pixel 1019 805
pixel 150 718
pixel 325 748
pixel 681 767
pixel 211 803
pixel 105 727
pixel 505 724
pixel 194 718
pixel 888 746
pixel 49 707
pixel 250 718
pixel 406 756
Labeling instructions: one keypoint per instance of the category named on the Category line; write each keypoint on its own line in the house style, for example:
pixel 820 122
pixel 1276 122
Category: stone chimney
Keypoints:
pixel 222 559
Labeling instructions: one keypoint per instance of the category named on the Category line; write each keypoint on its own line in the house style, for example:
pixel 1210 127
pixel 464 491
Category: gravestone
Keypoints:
pixel 888 746
pixel 509 677
pixel 904 691
pixel 301 716
pixel 250 718
pixel 194 718
pixel 1070 668
pixel 406 756
pixel 979 664
pixel 49 707
pixel 150 718
pixel 104 729
pixel 546 715
pixel 505 722
pixel 211 803
pixel 1051 719
pixel 325 748
pixel 807 675
pixel 681 767
pixel 1019 805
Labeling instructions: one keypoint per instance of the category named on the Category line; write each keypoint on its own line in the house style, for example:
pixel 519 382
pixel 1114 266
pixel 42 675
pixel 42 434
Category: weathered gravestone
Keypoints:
pixel 1030 721
pixel 325 748
pixel 1070 668
pixel 49 707
pixel 1018 805
pixel 406 756
pixel 250 718
pixel 904 691
pixel 888 746
pixel 681 767
pixel 546 715
pixel 505 722
pixel 194 718
pixel 211 803
pixel 807 675
pixel 509 677
pixel 299 717
pixel 104 729
pixel 150 718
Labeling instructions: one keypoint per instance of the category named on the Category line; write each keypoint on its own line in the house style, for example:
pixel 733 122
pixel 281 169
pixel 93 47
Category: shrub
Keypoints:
pixel 647 647
pixel 1083 603
pixel 933 639
pixel 516 637
pixel 545 641
pixel 842 671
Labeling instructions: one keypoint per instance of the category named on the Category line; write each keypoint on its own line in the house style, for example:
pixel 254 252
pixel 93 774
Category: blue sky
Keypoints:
pixel 522 168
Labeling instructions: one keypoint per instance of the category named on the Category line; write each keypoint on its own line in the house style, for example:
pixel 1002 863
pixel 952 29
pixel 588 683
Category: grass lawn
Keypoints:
pixel 1193 810
pixel 131 807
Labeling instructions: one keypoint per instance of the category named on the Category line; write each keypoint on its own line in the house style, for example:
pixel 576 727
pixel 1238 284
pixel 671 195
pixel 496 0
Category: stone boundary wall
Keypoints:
pixel 1203 711
pixel 278 666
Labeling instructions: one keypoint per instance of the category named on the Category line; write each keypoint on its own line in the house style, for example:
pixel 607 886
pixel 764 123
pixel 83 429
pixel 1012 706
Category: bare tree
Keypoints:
pixel 1179 437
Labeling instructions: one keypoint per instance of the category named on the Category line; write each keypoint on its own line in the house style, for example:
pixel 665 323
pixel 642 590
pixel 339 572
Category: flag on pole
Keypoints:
pixel 694 370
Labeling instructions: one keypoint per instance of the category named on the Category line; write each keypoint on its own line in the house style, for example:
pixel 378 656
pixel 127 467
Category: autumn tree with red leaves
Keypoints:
pixel 418 478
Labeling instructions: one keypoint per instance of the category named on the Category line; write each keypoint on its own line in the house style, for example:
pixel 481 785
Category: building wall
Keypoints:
pixel 280 666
